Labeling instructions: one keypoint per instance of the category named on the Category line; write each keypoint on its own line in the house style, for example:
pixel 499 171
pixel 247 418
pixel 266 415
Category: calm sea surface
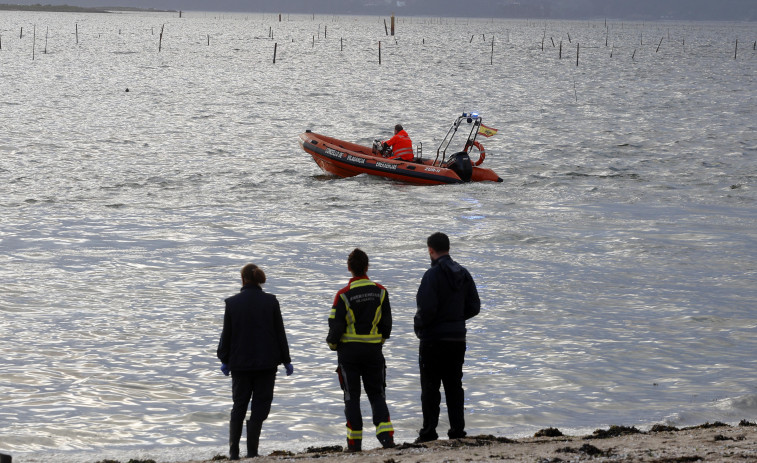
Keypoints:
pixel 616 263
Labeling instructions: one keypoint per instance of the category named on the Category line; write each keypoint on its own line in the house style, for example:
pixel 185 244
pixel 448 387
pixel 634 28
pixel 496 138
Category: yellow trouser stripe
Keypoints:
pixel 354 434
pixel 384 427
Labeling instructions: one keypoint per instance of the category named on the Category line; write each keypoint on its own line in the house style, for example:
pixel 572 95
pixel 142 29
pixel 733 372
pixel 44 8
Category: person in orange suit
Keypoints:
pixel 402 146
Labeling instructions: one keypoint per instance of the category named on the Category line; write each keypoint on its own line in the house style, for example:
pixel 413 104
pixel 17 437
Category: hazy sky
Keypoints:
pixel 739 10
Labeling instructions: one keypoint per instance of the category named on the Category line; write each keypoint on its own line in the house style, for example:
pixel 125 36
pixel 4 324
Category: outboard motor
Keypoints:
pixel 461 165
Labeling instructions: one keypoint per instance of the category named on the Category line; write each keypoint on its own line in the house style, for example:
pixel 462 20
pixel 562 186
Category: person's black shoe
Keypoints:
pixel 387 440
pixel 457 434
pixel 354 445
pixel 426 438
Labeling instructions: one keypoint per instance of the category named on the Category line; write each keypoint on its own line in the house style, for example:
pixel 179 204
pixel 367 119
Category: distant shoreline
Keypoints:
pixel 79 9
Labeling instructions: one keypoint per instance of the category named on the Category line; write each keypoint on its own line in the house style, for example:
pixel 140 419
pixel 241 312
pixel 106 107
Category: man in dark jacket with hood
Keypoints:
pixel 446 298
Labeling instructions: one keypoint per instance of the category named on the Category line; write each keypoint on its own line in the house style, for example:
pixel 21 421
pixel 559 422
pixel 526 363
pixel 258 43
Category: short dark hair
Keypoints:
pixel 439 242
pixel 357 262
pixel 251 273
pixel 398 128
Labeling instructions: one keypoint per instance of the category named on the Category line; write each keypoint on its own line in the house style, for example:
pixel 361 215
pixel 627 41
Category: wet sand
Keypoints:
pixel 710 442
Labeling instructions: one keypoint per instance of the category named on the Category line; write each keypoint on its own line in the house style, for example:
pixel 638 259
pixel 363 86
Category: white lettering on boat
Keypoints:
pixel 386 165
pixel 355 159
pixel 333 152
pixel 432 169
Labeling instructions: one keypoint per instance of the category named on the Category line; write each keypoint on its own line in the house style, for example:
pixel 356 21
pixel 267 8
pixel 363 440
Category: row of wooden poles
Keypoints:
pixel 633 56
pixel 341 41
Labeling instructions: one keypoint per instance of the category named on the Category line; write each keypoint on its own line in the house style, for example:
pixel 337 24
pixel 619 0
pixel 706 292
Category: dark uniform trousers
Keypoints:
pixel 366 361
pixel 256 384
pixel 441 362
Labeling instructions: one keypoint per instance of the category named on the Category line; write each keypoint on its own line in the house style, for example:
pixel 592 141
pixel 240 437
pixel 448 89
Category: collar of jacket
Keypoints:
pixel 364 277
pixel 251 286
pixel 436 262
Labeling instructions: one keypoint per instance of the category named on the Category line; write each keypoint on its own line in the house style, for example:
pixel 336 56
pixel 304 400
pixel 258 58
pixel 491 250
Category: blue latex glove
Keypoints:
pixel 289 368
pixel 225 369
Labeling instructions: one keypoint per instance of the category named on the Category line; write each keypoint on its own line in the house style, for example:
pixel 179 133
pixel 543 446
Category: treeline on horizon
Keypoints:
pixel 72 9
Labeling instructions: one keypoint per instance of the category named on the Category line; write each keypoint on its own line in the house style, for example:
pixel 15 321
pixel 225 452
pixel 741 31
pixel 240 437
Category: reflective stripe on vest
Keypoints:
pixel 403 152
pixel 406 151
pixel 351 335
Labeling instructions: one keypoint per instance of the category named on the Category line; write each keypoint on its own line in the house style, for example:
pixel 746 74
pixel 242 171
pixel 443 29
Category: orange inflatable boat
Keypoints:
pixel 346 159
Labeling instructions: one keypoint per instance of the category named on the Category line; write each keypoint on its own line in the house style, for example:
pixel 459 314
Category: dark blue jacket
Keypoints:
pixel 446 298
pixel 253 336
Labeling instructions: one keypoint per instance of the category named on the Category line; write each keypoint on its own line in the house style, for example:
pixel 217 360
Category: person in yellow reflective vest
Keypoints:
pixel 359 323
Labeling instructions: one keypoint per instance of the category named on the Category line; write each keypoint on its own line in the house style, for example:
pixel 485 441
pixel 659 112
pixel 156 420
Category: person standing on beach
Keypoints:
pixel 253 344
pixel 359 324
pixel 446 298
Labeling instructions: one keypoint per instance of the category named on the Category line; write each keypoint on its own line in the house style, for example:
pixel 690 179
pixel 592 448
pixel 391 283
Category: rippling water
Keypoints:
pixel 616 263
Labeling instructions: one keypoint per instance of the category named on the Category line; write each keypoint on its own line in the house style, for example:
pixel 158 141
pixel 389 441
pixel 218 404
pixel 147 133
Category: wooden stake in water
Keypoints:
pixel 275 45
pixel 578 50
pixel 491 61
pixel 379 51
pixel 737 49
pixel 560 55
pixel 34 40
pixel 47 31
pixel 160 40
pixel 386 31
pixel 659 44
pixel 77 34
pixel 392 24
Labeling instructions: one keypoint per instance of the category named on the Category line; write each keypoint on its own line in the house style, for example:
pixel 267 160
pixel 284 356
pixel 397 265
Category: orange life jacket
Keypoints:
pixel 402 146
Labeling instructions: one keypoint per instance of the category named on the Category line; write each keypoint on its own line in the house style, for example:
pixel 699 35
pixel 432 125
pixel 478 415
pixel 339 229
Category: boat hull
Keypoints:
pixel 346 159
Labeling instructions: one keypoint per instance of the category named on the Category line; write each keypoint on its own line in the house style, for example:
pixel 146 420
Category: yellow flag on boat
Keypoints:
pixel 487 131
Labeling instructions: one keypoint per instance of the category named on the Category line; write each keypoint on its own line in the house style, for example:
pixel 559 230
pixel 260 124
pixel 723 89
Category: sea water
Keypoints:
pixel 145 158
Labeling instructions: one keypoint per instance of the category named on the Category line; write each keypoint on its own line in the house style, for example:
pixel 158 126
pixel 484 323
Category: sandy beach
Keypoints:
pixel 710 442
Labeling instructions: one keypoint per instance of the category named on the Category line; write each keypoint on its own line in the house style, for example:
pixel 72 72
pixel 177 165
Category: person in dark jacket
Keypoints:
pixel 253 344
pixel 446 298
pixel 360 322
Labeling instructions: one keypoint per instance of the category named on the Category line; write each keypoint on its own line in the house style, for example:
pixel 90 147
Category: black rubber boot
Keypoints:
pixel 386 439
pixel 426 436
pixel 253 437
pixel 354 445
pixel 235 433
